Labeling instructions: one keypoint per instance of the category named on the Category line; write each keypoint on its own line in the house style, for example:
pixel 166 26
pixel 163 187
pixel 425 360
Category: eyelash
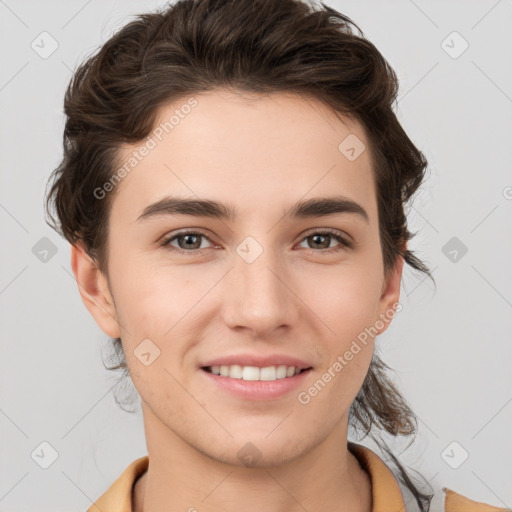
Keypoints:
pixel 344 243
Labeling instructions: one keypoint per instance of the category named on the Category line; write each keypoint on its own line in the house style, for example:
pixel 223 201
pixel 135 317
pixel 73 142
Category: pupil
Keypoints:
pixel 187 239
pixel 315 237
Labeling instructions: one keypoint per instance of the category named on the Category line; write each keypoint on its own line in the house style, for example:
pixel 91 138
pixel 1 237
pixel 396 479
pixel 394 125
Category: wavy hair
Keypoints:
pixel 258 46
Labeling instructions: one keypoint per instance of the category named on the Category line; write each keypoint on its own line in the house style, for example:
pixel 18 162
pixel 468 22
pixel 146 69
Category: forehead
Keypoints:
pixel 252 150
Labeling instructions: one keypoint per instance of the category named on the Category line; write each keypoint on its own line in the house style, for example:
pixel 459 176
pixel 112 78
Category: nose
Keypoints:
pixel 259 296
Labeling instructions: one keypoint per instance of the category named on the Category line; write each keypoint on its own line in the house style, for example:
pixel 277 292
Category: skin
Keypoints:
pixel 261 154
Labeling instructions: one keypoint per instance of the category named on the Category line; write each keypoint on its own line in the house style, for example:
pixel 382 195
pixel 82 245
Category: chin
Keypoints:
pixel 253 455
pixel 259 448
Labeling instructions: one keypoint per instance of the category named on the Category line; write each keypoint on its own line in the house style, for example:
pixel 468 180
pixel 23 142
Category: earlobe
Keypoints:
pixel 94 290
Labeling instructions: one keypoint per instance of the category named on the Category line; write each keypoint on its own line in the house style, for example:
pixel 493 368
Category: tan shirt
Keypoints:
pixel 386 493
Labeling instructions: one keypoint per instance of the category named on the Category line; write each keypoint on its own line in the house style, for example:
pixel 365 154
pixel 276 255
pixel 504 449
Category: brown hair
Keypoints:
pixel 259 46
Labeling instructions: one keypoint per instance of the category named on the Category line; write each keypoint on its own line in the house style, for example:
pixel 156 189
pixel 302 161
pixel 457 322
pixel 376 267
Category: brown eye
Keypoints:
pixel 188 241
pixel 321 241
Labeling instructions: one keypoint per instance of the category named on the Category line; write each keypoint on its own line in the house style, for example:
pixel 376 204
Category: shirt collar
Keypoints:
pixel 386 492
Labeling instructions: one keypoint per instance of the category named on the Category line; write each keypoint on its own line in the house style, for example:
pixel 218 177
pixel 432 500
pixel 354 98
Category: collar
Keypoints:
pixel 385 490
pixel 386 493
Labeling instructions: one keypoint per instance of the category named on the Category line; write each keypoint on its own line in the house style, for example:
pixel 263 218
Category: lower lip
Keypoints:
pixel 257 389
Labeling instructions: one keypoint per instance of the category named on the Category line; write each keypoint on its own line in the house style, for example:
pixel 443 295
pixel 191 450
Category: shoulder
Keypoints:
pixel 119 496
pixel 455 502
pixel 390 493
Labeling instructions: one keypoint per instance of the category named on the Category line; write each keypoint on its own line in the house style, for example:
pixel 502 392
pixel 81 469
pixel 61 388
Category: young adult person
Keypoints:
pixel 233 189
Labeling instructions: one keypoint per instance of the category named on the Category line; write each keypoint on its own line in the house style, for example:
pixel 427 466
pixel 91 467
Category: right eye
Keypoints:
pixel 188 242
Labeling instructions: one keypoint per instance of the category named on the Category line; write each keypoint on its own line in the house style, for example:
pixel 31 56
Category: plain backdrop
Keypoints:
pixel 451 347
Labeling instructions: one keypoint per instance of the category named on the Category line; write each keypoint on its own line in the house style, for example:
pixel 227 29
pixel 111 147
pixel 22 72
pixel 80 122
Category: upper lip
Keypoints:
pixel 260 361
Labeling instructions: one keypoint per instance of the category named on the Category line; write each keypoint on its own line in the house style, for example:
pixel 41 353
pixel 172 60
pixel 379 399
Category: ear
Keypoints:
pixel 390 295
pixel 94 290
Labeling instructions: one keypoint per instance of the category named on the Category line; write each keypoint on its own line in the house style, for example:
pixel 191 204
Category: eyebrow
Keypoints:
pixel 315 207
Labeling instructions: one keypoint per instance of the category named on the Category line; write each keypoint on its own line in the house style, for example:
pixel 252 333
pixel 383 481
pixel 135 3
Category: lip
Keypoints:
pixel 258 360
pixel 257 389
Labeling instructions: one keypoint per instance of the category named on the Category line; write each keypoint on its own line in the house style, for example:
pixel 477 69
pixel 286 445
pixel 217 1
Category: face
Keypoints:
pixel 186 290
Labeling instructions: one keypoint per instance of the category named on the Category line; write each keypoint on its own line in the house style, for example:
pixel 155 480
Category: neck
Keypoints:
pixel 179 477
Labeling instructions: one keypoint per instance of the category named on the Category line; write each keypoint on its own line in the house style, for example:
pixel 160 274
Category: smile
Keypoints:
pixel 253 373
pixel 254 383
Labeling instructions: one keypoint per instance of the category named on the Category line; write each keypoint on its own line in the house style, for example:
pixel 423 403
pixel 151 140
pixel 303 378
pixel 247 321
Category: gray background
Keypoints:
pixel 451 348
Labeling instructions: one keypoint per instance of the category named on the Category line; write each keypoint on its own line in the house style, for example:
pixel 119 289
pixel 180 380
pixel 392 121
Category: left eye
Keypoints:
pixel 191 241
pixel 323 238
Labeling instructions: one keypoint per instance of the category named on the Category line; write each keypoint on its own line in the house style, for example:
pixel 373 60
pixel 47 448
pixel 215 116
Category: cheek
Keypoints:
pixel 347 312
pixel 160 304
pixel 346 300
pixel 152 298
pixel 347 305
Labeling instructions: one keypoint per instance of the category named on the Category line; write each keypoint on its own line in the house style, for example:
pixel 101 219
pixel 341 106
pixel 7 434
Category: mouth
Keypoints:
pixel 255 373
pixel 252 383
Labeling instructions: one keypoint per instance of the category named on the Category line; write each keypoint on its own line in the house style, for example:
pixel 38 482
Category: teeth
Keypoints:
pixel 236 371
